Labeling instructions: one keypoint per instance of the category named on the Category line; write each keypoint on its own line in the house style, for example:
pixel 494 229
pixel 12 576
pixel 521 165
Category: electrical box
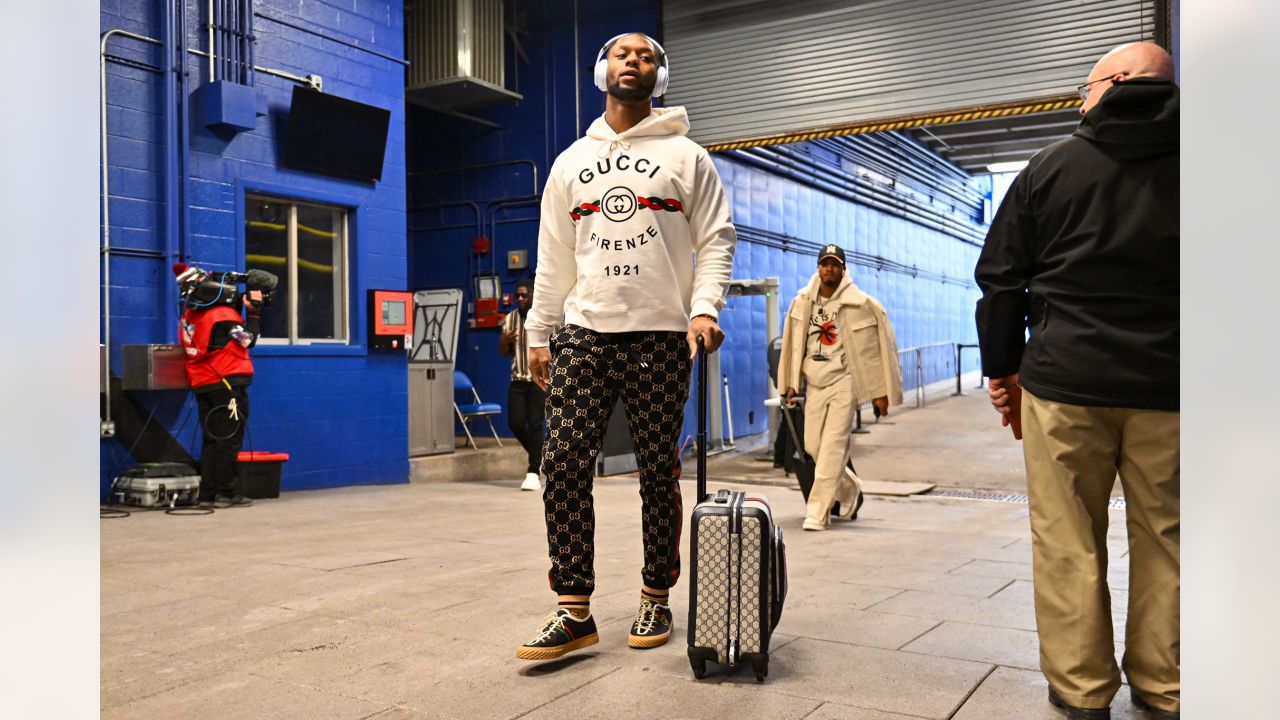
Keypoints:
pixel 517 259
pixel 390 319
pixel 153 367
pixel 228 106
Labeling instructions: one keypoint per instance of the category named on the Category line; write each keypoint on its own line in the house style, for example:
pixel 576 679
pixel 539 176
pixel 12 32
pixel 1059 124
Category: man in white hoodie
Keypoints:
pixel 839 343
pixel 619 303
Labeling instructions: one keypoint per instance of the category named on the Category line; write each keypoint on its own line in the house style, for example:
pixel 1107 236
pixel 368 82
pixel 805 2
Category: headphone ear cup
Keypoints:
pixel 602 68
pixel 660 82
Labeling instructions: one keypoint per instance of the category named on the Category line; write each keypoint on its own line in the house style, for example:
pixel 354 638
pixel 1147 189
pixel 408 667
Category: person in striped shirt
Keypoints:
pixel 525 400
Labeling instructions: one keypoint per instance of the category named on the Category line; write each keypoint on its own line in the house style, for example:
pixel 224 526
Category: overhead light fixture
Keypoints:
pixel 1004 167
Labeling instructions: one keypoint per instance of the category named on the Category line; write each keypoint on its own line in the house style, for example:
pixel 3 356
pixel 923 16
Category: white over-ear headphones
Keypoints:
pixel 602 64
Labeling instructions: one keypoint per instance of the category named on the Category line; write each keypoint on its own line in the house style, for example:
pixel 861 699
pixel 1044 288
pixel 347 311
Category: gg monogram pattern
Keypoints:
pixel 588 371
pixel 713 586
pixel 749 599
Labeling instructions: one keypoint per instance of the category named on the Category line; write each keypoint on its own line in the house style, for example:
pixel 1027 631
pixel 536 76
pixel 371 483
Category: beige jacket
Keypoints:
pixel 870 346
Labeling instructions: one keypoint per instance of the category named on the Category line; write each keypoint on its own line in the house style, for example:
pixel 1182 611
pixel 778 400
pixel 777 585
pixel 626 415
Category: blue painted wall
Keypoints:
pixel 923 308
pixel 340 412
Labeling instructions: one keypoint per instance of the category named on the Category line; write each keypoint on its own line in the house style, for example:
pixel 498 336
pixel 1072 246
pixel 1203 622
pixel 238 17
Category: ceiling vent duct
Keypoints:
pixel 455 53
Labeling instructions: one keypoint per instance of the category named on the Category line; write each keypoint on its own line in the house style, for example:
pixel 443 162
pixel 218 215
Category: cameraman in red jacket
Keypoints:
pixel 217 341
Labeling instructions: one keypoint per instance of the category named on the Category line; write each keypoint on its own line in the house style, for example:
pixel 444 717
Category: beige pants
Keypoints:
pixel 828 420
pixel 1073 454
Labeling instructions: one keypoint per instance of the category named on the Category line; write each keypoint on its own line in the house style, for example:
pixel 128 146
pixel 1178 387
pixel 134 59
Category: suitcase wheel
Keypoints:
pixel 762 669
pixel 698 658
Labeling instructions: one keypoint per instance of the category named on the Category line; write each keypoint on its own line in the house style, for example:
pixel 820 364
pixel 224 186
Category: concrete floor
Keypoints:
pixel 408 602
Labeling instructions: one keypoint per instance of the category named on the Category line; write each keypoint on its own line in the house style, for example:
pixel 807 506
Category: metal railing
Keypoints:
pixel 960 348
pixel 954 358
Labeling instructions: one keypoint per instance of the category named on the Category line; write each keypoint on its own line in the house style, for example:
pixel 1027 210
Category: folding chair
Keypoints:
pixel 469 411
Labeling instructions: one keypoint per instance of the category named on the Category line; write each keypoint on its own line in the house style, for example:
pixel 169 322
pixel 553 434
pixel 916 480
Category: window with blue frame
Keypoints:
pixel 305 245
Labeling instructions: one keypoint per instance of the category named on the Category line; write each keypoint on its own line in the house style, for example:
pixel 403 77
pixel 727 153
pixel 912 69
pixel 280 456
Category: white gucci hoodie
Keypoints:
pixel 623 217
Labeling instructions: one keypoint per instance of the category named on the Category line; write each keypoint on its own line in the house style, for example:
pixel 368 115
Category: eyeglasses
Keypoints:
pixel 521 295
pixel 1083 90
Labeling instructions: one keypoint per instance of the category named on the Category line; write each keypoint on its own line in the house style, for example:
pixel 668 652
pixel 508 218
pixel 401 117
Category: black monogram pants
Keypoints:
pixel 588 372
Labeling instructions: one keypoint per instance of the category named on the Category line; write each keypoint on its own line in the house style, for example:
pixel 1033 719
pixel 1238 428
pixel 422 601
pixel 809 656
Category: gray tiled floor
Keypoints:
pixel 407 602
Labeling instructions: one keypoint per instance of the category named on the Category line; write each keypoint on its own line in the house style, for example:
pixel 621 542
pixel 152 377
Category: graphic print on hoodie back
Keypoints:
pixel 623 215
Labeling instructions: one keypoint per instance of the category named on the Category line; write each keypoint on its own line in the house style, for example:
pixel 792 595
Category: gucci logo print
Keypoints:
pixel 619 204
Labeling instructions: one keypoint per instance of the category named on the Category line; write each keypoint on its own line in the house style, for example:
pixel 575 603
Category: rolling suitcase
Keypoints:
pixel 739 569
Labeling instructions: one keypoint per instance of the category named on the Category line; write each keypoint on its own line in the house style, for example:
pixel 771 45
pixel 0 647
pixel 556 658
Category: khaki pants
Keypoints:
pixel 828 420
pixel 1073 454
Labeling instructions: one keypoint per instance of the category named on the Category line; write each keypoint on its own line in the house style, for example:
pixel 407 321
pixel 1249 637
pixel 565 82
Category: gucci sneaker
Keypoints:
pixel 652 626
pixel 560 633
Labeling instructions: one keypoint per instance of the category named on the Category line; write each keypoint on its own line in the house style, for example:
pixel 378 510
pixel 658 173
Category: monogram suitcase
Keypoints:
pixel 739 569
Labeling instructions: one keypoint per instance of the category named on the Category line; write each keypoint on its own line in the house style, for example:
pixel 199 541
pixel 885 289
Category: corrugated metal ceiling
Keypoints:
pixel 747 69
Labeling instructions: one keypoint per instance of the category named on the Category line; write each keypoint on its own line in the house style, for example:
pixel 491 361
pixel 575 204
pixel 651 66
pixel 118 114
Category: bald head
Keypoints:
pixel 1140 59
pixel 1133 60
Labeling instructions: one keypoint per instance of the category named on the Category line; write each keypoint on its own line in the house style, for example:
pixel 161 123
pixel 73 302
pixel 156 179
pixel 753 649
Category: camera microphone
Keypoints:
pixel 261 280
pixel 256 279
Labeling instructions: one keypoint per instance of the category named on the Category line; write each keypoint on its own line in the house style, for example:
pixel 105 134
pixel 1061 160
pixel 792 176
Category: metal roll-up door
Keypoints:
pixel 753 73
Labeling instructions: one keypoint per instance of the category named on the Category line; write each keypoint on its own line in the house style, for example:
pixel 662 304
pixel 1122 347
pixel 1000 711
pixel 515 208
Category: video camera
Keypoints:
pixel 203 289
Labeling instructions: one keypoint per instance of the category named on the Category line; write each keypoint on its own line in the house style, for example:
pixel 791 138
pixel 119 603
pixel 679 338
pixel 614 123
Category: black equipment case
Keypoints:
pixel 739 568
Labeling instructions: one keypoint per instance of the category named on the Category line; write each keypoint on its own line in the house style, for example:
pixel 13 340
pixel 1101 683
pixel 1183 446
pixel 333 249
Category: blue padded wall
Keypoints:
pixel 922 310
pixel 341 412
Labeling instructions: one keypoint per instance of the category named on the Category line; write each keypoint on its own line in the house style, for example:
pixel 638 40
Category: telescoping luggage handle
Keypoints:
pixel 724 495
pixel 702 419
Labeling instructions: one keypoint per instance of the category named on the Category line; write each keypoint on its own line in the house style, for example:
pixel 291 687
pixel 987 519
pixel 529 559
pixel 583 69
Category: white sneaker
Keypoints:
pixel 531 482
pixel 811 524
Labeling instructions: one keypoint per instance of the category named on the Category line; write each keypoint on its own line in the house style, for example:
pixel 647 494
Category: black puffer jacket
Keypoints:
pixel 1084 252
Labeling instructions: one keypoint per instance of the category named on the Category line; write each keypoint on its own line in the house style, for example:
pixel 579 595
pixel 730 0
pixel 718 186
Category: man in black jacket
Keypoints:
pixel 1084 253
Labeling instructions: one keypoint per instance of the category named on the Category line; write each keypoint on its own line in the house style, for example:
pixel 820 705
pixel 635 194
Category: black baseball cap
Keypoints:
pixel 834 251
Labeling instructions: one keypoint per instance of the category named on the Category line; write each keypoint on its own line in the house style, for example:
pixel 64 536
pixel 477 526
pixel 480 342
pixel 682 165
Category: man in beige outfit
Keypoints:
pixel 1084 253
pixel 838 343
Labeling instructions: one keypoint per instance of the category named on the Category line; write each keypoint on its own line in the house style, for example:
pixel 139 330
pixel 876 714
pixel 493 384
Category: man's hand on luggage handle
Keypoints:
pixel 791 394
pixel 540 366
pixel 1006 397
pixel 709 329
pixel 882 405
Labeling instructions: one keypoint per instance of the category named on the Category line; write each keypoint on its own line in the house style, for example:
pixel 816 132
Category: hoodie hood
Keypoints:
pixel 661 121
pixel 846 292
pixel 1135 119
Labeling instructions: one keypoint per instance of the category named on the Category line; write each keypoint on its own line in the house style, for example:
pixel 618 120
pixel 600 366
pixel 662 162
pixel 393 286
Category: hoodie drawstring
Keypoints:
pixel 607 147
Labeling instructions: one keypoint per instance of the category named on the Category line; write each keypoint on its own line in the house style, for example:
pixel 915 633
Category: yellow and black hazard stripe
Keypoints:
pixel 906 122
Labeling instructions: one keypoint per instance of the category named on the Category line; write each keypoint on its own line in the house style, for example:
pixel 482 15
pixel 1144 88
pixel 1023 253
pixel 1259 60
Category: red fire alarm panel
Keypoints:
pixel 488 314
